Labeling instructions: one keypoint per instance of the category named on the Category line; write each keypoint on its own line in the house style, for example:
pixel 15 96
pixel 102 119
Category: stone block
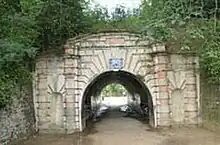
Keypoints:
pixel 163 109
pixel 76 118
pixel 163 116
pixel 148 77
pixel 76 104
pixel 77 125
pixel 163 95
pixel 141 71
pixel 77 98
pixel 44 125
pixel 70 70
pixel 190 100
pixel 42 84
pixel 154 89
pixel 69 116
pixel 191 114
pixel 69 83
pixel 69 104
pixel 163 102
pixel 177 59
pixel 163 88
pixel 43 96
pixel 190 94
pixel 191 107
pixel 191 80
pixel 55 63
pixel 42 70
pixel 81 85
pixel 44 106
pixel 70 128
pixel 70 98
pixel 151 83
pixel 77 112
pixel 162 82
pixel 161 75
pixel 44 120
pixel 164 122
pixel 69 62
pixel 160 67
pixel 41 76
pixel 190 59
pixel 70 91
pixel 161 59
pixel 190 87
pixel 143 42
pixel 191 118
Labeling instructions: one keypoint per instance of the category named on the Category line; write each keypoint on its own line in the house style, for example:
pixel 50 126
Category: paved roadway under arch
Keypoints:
pixel 126 131
pixel 132 83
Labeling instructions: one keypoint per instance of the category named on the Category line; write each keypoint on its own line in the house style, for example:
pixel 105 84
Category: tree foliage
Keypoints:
pixel 32 26
pixel 29 27
pixel 186 25
pixel 113 90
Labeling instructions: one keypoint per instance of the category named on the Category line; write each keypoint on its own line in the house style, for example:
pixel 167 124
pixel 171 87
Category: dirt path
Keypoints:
pixel 117 130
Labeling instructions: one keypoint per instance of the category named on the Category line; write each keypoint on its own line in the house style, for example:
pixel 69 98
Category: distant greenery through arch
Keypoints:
pixel 113 90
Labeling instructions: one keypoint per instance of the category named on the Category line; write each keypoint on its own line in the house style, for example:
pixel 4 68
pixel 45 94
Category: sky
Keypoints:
pixel 112 3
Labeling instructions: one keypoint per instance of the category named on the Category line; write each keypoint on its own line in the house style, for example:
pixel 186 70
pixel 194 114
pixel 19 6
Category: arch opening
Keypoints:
pixel 134 86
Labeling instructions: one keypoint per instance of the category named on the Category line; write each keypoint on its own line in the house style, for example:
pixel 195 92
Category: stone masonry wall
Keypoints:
pixel 18 120
pixel 177 86
pixel 172 80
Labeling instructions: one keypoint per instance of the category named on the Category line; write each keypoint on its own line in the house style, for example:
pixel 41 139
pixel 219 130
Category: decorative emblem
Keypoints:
pixel 116 63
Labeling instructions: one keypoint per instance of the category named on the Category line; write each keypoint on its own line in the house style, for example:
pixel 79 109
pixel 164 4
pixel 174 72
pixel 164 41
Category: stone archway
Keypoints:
pixel 132 83
pixel 96 52
pixel 87 57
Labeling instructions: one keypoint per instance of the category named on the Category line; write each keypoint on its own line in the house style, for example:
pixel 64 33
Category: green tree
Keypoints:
pixel 29 27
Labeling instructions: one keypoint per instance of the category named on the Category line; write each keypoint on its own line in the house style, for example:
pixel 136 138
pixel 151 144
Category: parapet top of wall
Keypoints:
pixel 105 32
pixel 109 38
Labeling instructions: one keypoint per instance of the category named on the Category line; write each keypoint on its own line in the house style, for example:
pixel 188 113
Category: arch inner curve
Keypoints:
pixel 132 83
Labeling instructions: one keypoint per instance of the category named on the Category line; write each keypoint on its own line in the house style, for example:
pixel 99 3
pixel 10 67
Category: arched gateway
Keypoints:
pixel 167 82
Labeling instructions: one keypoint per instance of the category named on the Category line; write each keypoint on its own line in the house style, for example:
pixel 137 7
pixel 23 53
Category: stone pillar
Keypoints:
pixel 70 73
pixel 41 96
pixel 161 85
pixel 192 93
pixel 197 66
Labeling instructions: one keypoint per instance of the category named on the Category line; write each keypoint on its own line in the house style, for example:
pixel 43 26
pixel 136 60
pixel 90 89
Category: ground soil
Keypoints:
pixel 115 129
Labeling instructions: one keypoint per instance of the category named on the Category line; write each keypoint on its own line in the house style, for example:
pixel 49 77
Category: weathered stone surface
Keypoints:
pixel 163 122
pixel 177 107
pixel 160 67
pixel 18 120
pixel 170 78
pixel 191 107
pixel 70 98
pixel 163 88
pixel 163 95
pixel 163 109
pixel 191 117
pixel 163 116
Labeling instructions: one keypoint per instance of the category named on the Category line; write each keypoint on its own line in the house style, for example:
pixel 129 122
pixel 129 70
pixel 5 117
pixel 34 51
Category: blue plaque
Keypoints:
pixel 116 63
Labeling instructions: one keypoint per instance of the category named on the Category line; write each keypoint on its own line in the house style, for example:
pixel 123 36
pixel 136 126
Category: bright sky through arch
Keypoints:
pixel 110 4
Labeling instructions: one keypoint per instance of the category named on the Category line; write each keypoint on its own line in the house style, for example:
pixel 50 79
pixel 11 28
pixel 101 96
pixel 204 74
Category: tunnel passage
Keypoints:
pixel 133 84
